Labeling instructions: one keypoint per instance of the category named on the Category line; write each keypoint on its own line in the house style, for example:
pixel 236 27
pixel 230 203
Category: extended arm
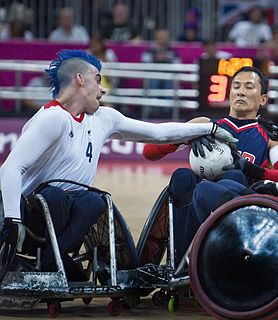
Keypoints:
pixel 155 152
pixel 174 132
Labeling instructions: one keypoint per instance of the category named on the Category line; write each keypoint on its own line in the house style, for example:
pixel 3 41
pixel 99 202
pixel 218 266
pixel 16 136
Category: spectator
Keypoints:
pixel 190 34
pixel 18 19
pixel 19 29
pixel 160 52
pixel 211 51
pixel 191 25
pixel 251 32
pixel 98 48
pixel 67 30
pixel 119 28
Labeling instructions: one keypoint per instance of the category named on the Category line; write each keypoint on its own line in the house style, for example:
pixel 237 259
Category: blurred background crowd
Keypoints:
pixel 148 32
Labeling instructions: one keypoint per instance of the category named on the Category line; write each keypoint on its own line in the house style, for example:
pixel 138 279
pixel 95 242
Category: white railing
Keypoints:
pixel 146 98
pixel 177 98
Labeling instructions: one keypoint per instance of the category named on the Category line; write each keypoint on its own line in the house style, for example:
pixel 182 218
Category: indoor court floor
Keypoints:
pixel 134 188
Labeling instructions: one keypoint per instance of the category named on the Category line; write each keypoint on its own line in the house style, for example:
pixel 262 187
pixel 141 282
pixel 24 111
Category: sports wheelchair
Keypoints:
pixel 231 267
pixel 108 257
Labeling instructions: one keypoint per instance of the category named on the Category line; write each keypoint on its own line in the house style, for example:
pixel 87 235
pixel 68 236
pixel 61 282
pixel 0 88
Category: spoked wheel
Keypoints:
pixel 98 237
pixel 234 260
pixel 153 240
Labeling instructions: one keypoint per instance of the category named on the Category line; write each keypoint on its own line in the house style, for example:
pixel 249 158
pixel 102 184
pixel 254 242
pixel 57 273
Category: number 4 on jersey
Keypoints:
pixel 89 150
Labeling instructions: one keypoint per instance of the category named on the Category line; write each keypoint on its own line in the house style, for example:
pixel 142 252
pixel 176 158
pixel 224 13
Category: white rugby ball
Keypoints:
pixel 211 166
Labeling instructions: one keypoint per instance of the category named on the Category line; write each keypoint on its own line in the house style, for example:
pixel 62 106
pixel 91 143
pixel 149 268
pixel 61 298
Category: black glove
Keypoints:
pixel 266 187
pixel 249 169
pixel 11 239
pixel 270 128
pixel 198 144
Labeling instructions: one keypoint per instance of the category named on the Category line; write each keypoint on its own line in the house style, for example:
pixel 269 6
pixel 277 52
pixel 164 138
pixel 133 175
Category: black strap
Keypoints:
pixel 47 183
pixel 269 127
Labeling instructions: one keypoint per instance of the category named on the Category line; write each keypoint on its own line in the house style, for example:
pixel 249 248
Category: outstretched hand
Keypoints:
pixel 206 141
pixel 11 239
pixel 222 135
pixel 199 143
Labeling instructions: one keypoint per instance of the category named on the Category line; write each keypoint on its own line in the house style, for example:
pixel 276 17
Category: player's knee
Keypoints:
pixel 92 201
pixel 182 184
pixel 204 190
pixel 182 180
pixel 235 175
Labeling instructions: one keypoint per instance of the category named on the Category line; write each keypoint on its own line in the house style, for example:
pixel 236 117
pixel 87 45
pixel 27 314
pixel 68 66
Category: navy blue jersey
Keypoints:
pixel 252 139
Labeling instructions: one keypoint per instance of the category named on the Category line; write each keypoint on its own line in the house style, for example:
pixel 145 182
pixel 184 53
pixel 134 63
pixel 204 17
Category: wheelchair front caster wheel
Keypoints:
pixel 159 298
pixel 115 308
pixel 173 304
pixel 53 308
pixel 87 301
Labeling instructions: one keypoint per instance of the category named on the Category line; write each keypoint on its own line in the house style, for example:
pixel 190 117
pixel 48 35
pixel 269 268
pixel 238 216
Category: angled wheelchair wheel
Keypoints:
pixel 98 237
pixel 234 260
pixel 153 240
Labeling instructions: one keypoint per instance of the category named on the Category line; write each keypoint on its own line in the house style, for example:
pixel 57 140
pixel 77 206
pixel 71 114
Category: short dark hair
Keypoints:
pixel 262 77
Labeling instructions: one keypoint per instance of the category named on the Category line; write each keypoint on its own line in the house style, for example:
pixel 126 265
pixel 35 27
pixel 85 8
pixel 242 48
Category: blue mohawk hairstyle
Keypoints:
pixel 65 55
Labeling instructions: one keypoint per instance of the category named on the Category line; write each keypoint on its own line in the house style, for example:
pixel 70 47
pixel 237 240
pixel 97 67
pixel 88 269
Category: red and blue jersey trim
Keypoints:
pixel 244 127
pixel 55 103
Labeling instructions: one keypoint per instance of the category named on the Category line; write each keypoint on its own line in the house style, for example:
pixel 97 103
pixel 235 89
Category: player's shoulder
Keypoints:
pixel 51 116
pixel 109 112
pixel 52 112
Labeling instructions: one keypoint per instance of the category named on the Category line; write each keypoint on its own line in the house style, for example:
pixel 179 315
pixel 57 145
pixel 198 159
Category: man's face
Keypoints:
pixel 162 37
pixel 120 14
pixel 66 19
pixel 245 95
pixel 92 90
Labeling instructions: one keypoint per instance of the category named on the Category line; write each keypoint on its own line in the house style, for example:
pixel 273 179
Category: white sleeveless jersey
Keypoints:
pixel 56 145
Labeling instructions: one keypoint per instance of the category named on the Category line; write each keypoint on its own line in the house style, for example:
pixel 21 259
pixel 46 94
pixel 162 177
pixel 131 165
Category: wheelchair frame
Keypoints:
pixel 22 290
pixel 168 277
